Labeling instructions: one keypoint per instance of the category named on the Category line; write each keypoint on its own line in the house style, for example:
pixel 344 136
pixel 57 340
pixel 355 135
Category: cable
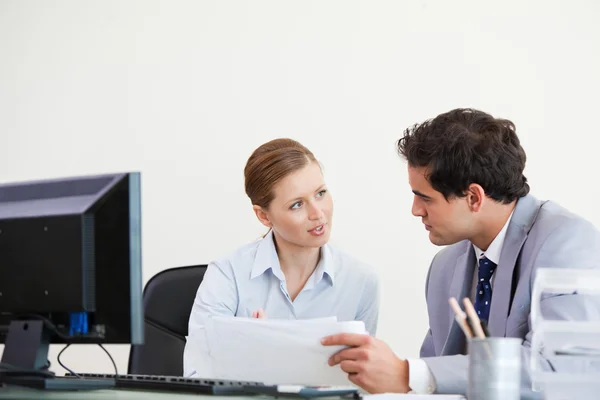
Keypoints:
pixel 62 365
pixel 6 368
pixel 79 376
pixel 111 359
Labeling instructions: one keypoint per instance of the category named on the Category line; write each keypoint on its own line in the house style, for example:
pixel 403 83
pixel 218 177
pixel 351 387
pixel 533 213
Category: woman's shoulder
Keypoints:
pixel 239 259
pixel 350 264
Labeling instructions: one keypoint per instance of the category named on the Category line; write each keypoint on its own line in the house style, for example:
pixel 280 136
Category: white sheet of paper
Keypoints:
pixel 276 351
pixel 203 360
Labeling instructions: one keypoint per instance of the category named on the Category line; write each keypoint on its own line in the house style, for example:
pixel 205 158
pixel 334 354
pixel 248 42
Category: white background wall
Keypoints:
pixel 183 91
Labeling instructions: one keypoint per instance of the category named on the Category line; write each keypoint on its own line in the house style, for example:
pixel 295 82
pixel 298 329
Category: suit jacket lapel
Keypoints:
pixel 502 289
pixel 523 219
pixel 459 288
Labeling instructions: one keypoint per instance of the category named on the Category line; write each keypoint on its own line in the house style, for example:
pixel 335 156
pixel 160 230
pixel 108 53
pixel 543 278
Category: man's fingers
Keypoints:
pixel 359 380
pixel 346 339
pixel 352 353
pixel 351 366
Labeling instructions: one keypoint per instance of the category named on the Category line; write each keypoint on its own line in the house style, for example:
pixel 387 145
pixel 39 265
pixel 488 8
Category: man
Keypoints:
pixel 465 169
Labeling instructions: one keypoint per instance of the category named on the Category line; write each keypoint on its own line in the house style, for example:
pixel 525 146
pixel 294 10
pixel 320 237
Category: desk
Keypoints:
pixel 31 394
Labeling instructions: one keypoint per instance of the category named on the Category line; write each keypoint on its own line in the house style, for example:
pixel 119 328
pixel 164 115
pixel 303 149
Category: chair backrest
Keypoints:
pixel 168 299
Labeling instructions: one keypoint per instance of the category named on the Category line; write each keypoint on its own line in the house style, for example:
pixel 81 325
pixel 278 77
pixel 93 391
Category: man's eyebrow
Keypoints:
pixel 424 196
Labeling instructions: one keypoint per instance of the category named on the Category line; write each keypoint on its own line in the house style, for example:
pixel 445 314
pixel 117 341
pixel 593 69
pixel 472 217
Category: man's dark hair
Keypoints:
pixel 466 146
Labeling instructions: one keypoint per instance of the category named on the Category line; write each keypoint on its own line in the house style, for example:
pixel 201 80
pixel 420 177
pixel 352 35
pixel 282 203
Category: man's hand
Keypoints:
pixel 370 363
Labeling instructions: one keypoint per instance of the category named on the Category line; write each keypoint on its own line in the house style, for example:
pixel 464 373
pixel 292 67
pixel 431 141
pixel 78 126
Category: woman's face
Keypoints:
pixel 302 208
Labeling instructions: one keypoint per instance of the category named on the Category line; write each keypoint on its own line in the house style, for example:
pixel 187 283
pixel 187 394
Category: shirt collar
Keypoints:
pixel 326 265
pixel 494 249
pixel 266 258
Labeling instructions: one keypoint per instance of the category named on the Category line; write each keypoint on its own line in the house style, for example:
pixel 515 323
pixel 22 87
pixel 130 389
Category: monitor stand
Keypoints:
pixel 27 344
pixel 25 360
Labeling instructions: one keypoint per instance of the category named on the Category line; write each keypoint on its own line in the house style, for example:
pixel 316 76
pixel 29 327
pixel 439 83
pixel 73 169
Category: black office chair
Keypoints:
pixel 168 299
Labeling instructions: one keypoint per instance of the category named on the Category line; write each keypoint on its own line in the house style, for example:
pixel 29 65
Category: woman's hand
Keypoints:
pixel 259 314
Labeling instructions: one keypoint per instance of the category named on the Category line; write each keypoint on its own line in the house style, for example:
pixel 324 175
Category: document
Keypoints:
pixel 278 352
pixel 203 364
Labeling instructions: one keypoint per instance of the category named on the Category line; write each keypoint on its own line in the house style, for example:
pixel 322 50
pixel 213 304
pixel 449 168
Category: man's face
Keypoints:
pixel 448 221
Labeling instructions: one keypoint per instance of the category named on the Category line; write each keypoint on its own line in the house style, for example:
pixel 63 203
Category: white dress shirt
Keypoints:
pixel 420 379
pixel 251 278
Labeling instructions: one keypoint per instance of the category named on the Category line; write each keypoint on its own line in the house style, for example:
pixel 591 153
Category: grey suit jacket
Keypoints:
pixel 540 235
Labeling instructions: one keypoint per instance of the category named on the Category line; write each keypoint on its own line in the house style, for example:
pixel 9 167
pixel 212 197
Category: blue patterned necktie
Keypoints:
pixel 483 297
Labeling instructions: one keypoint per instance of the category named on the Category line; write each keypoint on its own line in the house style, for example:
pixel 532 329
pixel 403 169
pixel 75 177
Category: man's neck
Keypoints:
pixel 492 223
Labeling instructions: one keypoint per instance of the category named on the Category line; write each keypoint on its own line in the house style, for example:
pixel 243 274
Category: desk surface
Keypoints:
pixel 21 394
pixel 122 394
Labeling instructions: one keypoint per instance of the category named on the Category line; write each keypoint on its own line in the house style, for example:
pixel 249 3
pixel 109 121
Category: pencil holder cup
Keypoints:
pixel 494 369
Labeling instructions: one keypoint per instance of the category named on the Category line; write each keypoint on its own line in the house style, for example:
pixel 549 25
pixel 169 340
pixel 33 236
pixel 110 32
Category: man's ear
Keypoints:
pixel 475 197
pixel 262 216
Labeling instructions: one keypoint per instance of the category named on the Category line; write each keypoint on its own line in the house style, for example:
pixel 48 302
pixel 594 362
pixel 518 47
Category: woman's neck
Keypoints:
pixel 297 264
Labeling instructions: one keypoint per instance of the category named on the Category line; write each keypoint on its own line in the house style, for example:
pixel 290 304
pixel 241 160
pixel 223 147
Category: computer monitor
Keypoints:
pixel 70 265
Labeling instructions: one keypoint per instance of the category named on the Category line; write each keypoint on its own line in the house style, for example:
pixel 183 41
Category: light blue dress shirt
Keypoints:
pixel 251 278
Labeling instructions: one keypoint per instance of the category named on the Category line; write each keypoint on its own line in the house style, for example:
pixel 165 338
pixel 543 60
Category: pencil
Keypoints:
pixel 485 328
pixel 460 317
pixel 470 310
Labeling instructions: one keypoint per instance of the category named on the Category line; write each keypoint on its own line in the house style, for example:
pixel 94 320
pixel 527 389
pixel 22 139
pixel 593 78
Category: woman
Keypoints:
pixel 291 273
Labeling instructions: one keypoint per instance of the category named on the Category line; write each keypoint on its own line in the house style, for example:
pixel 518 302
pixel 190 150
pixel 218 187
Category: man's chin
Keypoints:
pixel 436 240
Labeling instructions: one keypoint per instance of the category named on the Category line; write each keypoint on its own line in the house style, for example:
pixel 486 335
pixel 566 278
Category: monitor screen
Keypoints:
pixel 70 256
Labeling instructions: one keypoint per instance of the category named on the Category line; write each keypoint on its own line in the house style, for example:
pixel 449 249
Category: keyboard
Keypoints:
pixel 174 384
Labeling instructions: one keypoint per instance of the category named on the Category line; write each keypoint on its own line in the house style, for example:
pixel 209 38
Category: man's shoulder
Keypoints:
pixel 449 255
pixel 553 216
pixel 560 237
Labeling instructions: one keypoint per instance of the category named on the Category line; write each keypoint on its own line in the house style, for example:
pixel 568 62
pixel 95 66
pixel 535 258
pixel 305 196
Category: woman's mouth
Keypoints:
pixel 318 230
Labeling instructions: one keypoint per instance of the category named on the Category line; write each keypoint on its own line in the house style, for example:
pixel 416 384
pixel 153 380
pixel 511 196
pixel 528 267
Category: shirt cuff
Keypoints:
pixel 420 379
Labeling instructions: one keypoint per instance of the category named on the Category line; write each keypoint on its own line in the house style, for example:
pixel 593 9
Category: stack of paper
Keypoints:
pixel 283 352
